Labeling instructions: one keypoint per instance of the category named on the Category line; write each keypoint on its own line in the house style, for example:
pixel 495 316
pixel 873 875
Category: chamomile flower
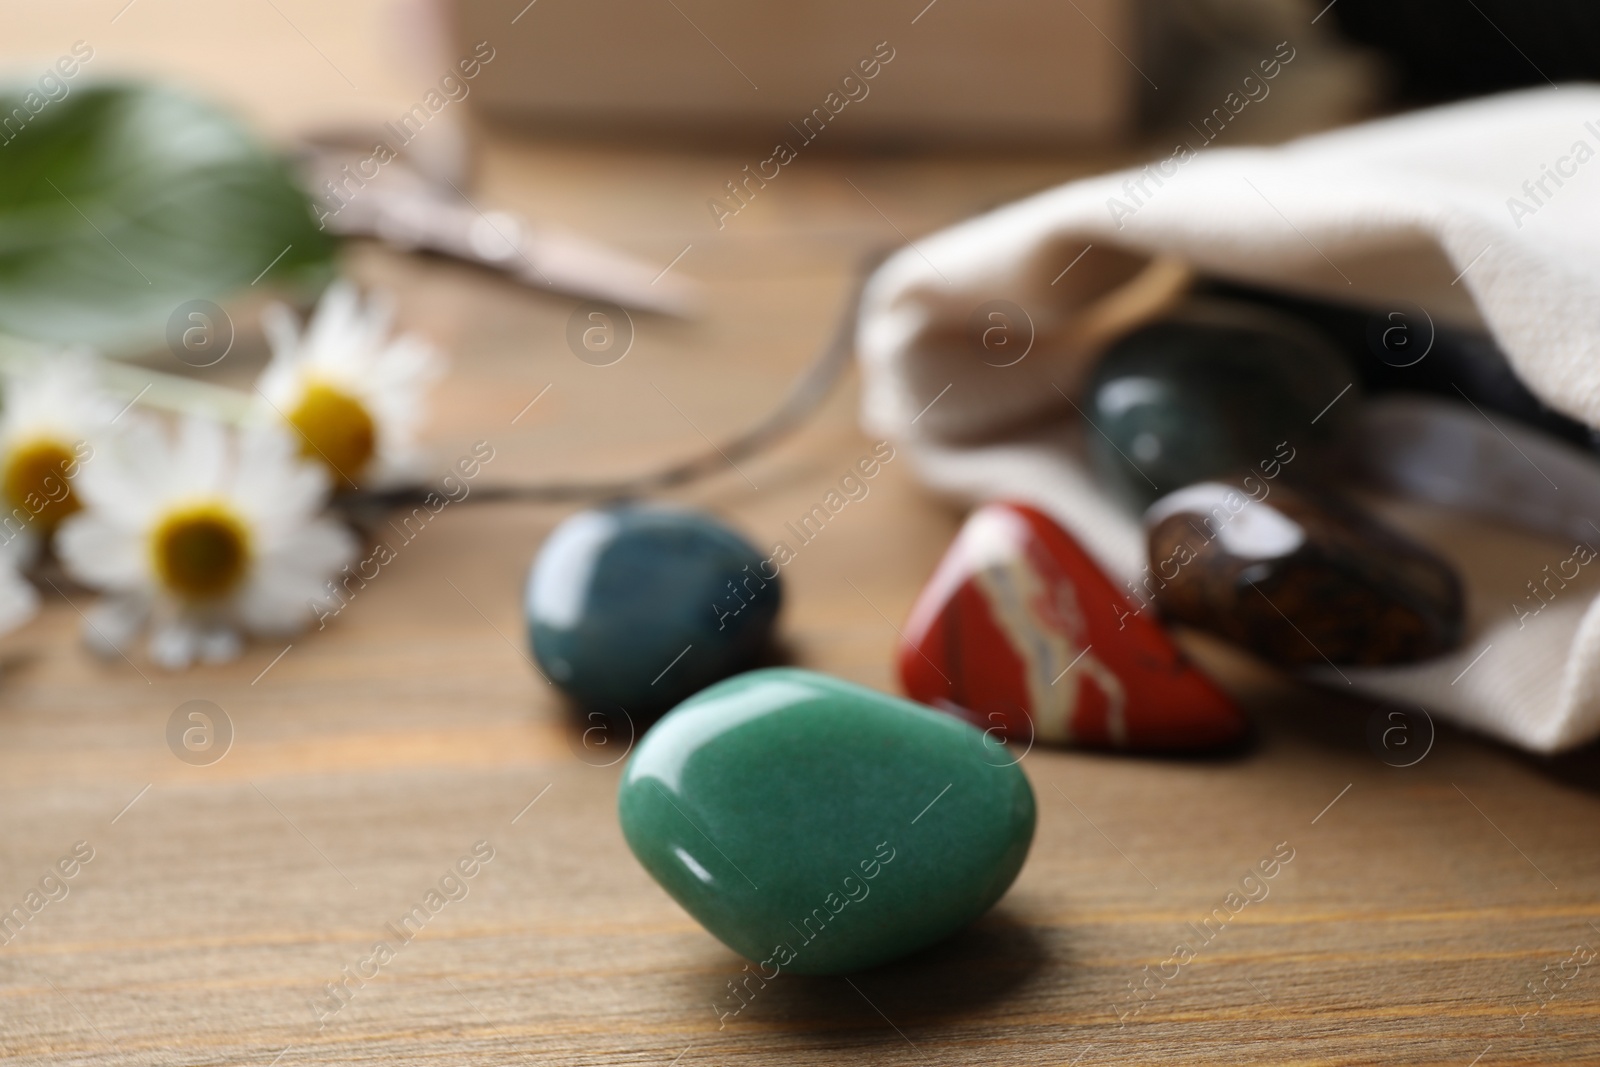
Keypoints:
pixel 200 534
pixel 51 414
pixel 351 395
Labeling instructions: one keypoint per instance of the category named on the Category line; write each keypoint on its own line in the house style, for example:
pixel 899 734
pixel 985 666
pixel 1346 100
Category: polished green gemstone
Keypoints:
pixel 633 607
pixel 1216 389
pixel 818 827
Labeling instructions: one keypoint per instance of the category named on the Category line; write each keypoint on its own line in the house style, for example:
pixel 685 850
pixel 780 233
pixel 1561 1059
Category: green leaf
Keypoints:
pixel 118 203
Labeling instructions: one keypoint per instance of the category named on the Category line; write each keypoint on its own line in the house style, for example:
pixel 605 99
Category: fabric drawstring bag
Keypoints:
pixel 1483 215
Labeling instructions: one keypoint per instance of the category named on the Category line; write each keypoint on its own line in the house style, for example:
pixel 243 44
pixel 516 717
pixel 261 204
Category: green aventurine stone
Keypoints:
pixel 818 827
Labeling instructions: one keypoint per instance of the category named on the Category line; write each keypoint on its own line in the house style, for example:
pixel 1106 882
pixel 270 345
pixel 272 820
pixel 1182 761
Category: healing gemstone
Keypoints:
pixel 1298 580
pixel 1019 631
pixel 819 827
pixel 1214 389
pixel 634 607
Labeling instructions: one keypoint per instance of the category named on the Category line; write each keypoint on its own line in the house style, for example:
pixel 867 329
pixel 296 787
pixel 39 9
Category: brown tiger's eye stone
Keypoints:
pixel 1299 580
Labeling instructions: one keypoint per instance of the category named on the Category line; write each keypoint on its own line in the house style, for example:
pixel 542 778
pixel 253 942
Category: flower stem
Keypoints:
pixel 151 388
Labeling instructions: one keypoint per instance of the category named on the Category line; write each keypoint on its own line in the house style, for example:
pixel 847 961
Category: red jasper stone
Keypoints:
pixel 1018 630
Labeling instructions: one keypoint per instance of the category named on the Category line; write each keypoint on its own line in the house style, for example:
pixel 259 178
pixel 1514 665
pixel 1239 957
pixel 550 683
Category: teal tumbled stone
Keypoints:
pixel 1217 389
pixel 818 827
pixel 633 607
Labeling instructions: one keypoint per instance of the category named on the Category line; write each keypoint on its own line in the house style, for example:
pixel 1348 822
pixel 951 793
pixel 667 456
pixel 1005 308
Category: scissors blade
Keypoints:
pixel 402 208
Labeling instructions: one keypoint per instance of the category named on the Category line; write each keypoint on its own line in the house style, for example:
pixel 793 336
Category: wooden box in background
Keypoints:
pixel 1000 71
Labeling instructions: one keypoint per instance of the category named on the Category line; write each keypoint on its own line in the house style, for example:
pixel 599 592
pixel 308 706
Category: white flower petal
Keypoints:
pixel 283 332
pixel 218 644
pixel 273 485
pixel 129 471
pixel 337 319
pixel 201 458
pixel 283 586
pixel 347 345
pixel 100 552
pixel 174 643
pixel 59 398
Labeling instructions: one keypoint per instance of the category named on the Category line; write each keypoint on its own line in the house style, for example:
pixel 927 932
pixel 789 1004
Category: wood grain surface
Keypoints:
pixel 368 758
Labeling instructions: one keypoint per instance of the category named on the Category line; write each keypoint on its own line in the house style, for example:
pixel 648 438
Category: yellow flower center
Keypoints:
pixel 202 551
pixel 336 430
pixel 35 480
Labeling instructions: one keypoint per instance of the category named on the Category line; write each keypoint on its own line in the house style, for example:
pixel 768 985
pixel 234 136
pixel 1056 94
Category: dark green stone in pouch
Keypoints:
pixel 819 827
pixel 1216 388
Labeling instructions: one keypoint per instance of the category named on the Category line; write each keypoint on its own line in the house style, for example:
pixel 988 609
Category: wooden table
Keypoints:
pixel 367 758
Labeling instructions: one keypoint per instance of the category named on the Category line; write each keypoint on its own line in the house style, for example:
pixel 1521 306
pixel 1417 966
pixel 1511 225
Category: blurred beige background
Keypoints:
pixel 283 64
